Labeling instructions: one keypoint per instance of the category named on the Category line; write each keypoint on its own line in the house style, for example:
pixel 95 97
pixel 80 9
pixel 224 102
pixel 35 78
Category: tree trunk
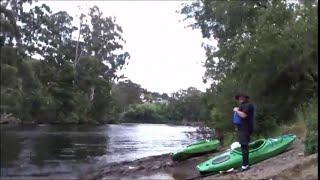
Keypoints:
pixel 91 96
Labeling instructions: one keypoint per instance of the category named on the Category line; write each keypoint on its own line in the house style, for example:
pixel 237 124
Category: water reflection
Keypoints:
pixel 30 150
pixel 49 147
pixel 10 149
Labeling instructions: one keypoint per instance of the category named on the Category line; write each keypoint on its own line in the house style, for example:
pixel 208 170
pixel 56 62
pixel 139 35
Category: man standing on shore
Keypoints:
pixel 246 112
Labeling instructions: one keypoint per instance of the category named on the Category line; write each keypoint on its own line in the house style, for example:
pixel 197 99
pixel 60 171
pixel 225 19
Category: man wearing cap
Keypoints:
pixel 246 112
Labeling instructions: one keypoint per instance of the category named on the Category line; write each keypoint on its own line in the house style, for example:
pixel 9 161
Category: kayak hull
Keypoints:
pixel 258 151
pixel 196 149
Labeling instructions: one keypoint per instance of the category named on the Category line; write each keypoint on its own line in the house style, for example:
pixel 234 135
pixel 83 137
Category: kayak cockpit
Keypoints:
pixel 254 146
pixel 204 141
pixel 221 159
pixel 200 142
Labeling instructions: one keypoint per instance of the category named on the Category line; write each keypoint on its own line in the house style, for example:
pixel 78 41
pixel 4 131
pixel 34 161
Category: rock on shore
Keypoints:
pixel 288 165
pixel 9 119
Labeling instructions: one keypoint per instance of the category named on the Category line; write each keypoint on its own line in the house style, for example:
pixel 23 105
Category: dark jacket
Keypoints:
pixel 247 124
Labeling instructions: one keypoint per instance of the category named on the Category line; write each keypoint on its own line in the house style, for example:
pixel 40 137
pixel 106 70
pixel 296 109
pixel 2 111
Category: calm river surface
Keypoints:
pixel 67 150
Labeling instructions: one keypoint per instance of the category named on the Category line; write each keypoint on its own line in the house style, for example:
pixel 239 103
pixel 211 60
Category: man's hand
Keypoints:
pixel 240 113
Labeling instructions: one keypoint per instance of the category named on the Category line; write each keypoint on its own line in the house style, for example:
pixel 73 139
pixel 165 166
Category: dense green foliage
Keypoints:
pixel 309 113
pixel 267 48
pixel 182 106
pixel 72 82
pixel 125 93
pixel 186 105
pixel 146 113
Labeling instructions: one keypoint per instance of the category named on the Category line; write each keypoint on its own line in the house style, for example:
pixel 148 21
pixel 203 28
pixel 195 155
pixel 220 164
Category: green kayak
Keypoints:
pixel 195 149
pixel 259 150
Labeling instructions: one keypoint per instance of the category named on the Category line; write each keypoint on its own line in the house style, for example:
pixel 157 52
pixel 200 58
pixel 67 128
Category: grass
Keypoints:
pixel 299 128
pixel 305 126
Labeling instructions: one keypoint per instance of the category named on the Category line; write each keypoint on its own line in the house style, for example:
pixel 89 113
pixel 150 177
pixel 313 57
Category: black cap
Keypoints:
pixel 241 94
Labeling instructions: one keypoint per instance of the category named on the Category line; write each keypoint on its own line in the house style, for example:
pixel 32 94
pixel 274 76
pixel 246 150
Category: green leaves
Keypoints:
pixel 146 113
pixel 102 39
pixel 52 88
pixel 267 48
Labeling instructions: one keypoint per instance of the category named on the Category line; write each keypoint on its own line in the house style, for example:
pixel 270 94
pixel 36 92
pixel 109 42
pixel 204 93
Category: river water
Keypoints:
pixel 67 150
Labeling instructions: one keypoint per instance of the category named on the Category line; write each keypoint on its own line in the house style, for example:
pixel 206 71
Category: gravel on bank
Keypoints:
pixel 291 164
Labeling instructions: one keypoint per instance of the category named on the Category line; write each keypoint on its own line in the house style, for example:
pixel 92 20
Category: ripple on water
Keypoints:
pixel 53 149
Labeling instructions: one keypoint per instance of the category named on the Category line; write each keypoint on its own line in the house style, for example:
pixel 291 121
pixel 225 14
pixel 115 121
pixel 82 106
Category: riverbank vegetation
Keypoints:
pixel 49 76
pixel 70 82
pixel 182 107
pixel 268 49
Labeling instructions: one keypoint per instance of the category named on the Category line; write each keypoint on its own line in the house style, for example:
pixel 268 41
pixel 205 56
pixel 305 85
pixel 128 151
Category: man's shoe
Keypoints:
pixel 244 168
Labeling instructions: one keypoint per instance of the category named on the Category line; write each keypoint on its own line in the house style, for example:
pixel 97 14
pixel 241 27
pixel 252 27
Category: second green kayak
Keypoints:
pixel 258 151
pixel 195 149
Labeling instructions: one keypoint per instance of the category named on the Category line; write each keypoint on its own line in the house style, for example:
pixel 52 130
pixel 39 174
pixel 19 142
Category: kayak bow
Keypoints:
pixel 195 149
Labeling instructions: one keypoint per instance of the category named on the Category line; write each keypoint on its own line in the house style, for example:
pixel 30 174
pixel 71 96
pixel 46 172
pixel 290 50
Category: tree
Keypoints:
pixel 267 48
pixel 126 93
pixel 51 88
pixel 186 105
pixel 103 40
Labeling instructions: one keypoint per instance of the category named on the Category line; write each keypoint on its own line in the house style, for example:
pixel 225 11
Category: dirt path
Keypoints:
pixel 288 165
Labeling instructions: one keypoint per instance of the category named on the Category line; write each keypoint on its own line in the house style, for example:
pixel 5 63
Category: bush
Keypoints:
pixel 265 124
pixel 306 126
pixel 310 113
pixel 220 123
pixel 230 138
pixel 145 113
pixel 11 101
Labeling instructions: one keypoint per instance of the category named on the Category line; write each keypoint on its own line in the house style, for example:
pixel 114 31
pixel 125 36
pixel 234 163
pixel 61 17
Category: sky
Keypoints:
pixel 165 56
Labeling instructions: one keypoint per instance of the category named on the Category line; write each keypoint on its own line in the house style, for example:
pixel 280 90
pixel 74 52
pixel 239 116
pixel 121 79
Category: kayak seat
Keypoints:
pixel 256 145
pixel 220 159
pixel 253 146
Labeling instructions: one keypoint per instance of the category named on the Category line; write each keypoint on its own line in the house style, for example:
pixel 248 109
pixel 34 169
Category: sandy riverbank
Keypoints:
pixel 288 165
